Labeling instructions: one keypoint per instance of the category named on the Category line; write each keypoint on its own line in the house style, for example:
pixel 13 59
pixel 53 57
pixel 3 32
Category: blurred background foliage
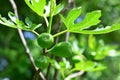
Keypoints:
pixel 14 63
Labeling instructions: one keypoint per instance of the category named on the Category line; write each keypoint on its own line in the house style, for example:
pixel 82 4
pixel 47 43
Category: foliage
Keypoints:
pixel 82 52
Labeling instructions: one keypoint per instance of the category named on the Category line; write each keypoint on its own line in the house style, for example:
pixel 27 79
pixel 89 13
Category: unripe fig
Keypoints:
pixel 45 40
pixel 62 49
pixel 42 62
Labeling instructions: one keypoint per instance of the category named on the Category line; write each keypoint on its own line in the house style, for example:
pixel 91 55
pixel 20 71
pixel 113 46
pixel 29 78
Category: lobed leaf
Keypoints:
pixel 91 19
pixel 63 19
pixel 58 8
pixel 107 29
pixel 16 23
pixel 72 15
pixel 89 66
pixel 37 6
pixel 6 22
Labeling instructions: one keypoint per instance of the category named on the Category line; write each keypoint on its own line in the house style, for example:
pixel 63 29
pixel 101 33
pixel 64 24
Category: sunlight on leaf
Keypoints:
pixel 58 8
pixel 107 29
pixel 72 15
pixel 89 66
pixel 12 16
pixel 16 23
pixel 42 8
pixel 91 19
pixel 37 6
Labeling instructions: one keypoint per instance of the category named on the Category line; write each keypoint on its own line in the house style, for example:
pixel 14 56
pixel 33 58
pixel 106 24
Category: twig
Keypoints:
pixel 55 74
pixel 57 34
pixel 67 36
pixel 56 41
pixel 74 75
pixel 48 69
pixel 36 75
pixel 24 41
pixel 58 30
pixel 52 56
pixel 57 38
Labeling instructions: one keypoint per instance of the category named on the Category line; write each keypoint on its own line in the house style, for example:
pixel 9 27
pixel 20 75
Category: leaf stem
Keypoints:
pixel 71 71
pixel 50 24
pixel 80 73
pixel 35 33
pixel 46 20
pixel 57 34
pixel 52 6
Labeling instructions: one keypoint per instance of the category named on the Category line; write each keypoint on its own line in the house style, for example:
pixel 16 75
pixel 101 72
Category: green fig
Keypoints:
pixel 42 62
pixel 45 40
pixel 62 49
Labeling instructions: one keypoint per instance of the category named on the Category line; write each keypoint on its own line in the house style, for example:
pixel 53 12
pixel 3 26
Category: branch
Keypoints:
pixel 74 75
pixel 67 36
pixel 36 75
pixel 24 41
pixel 48 69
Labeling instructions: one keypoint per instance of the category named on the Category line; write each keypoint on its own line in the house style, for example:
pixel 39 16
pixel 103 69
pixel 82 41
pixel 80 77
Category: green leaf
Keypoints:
pixel 21 25
pixel 12 16
pixel 55 64
pixel 37 6
pixel 47 10
pixel 16 23
pixel 86 66
pixel 72 16
pixel 52 7
pixel 91 19
pixel 63 19
pixel 58 8
pixel 62 49
pixel 99 53
pixel 28 21
pixel 92 42
pixel 64 64
pixel 6 22
pixel 30 25
pixel 89 66
pixel 107 29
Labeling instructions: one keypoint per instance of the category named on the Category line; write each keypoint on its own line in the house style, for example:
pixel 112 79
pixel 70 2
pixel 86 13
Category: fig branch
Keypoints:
pixel 24 42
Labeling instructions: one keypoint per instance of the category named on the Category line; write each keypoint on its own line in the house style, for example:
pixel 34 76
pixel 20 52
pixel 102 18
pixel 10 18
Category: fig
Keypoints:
pixel 42 62
pixel 45 40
